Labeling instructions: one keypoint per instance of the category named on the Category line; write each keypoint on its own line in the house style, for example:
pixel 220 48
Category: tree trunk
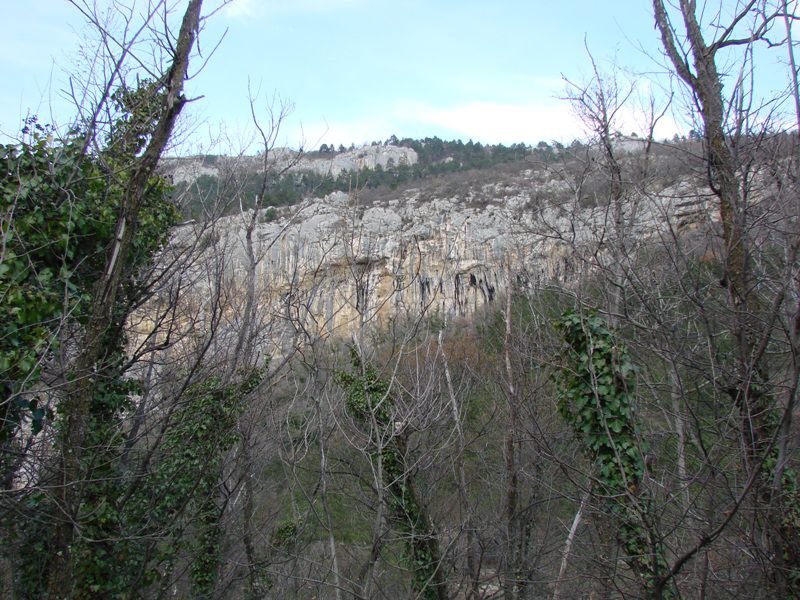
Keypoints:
pixel 749 390
pixel 511 567
pixel 74 409
pixel 463 494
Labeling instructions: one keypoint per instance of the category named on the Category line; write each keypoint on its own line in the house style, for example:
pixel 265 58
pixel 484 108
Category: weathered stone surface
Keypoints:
pixel 186 170
pixel 332 265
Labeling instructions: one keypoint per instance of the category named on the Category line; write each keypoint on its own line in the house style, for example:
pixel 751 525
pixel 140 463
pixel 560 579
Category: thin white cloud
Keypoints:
pixel 480 121
pixel 632 120
pixel 487 122
pixel 312 134
pixel 242 9
pixel 246 9
pixel 495 122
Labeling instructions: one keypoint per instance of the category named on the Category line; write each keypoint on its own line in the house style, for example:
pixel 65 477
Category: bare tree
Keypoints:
pixel 727 132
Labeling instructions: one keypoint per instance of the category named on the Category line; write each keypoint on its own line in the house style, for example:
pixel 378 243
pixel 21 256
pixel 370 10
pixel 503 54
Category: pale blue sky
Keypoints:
pixel 361 70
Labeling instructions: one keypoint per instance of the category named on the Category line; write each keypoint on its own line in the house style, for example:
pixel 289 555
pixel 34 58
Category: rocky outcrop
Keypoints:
pixel 366 157
pixel 187 170
pixel 329 266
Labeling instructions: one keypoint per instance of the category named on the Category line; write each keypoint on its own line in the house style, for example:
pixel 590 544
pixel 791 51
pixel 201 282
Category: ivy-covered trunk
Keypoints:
pixel 139 147
pixel 596 398
pixel 410 519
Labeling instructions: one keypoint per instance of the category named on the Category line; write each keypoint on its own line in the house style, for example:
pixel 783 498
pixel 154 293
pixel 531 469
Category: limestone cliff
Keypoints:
pixel 331 265
pixel 186 170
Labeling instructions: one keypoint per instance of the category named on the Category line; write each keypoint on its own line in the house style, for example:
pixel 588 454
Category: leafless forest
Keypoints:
pixel 623 428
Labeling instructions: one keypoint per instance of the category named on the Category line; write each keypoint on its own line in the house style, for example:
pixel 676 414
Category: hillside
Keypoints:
pixel 446 244
pixel 217 185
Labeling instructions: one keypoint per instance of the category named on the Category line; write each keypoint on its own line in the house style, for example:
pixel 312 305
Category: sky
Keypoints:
pixel 355 71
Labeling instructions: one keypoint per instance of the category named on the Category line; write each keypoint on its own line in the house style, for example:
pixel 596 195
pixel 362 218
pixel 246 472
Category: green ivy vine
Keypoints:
pixel 142 509
pixel 787 523
pixel 58 215
pixel 596 398
pixel 58 212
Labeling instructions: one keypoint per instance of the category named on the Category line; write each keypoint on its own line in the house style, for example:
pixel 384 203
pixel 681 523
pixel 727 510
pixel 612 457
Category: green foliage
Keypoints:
pixel 286 533
pixel 596 398
pixel 180 493
pixel 136 526
pixel 59 211
pixel 270 215
pixel 787 522
pixel 62 209
pixel 137 111
pixel 436 155
pixel 365 392
pixel 206 549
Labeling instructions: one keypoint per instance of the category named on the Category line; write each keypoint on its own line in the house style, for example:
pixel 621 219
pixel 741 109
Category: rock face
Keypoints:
pixel 188 169
pixel 367 157
pixel 333 265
